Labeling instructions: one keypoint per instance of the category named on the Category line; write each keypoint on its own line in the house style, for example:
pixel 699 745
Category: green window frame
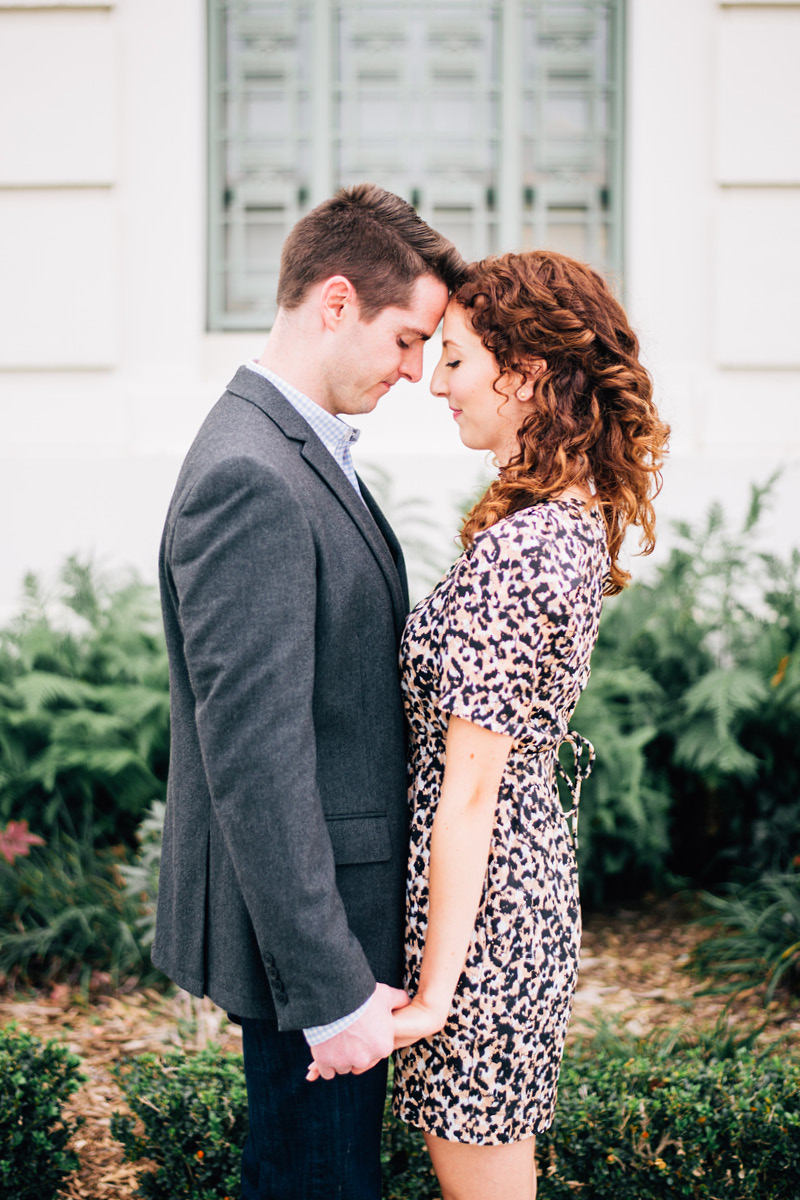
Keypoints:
pixel 500 120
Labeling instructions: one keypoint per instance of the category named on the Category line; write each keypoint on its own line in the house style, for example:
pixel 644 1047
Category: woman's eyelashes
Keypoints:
pixel 455 363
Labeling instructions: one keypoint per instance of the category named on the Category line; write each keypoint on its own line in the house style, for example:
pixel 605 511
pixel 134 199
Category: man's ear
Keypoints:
pixel 336 296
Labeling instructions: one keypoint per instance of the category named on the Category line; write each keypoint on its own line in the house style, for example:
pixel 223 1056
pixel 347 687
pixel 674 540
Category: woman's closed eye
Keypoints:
pixel 455 363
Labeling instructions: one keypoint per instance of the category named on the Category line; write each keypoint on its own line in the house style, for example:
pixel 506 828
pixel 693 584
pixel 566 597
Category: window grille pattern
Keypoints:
pixel 500 120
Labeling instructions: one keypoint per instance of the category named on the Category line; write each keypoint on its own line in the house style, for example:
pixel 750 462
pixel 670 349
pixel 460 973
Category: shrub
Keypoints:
pixel 35 1081
pixel 637 1119
pixel 649 1121
pixel 65 913
pixel 194 1124
pixel 757 937
pixel 84 707
pixel 193 1114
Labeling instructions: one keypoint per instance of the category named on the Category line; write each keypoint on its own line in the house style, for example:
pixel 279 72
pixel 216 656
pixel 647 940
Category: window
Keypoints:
pixel 500 120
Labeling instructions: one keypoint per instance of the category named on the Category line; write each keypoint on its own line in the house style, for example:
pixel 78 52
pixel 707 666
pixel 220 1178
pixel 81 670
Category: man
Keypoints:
pixel 284 598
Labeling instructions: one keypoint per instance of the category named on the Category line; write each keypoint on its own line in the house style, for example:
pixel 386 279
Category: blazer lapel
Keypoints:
pixel 251 386
pixel 389 537
pixel 322 462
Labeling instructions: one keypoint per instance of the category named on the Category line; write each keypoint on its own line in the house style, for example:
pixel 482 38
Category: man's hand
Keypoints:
pixel 362 1044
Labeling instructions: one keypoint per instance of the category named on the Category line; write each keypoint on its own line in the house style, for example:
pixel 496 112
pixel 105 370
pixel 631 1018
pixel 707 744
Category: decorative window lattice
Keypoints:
pixel 500 120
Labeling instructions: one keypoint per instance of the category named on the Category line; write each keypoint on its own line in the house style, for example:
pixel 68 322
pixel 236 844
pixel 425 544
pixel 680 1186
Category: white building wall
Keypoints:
pixel 105 366
pixel 712 254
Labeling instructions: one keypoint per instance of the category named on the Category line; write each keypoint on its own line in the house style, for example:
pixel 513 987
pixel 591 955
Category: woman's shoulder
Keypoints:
pixel 551 531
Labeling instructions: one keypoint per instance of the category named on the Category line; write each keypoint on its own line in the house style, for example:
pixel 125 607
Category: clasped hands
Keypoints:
pixel 391 1020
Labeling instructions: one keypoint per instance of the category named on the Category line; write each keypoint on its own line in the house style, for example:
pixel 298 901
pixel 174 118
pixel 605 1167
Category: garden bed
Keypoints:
pixel 632 967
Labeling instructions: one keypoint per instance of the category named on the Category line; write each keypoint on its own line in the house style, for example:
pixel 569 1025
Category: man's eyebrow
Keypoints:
pixel 419 333
pixel 450 342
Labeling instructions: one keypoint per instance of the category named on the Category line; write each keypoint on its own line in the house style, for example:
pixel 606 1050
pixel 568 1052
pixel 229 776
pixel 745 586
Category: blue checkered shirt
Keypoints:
pixel 337 437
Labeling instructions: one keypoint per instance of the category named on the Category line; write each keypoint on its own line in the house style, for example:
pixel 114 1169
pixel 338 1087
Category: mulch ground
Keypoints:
pixel 632 969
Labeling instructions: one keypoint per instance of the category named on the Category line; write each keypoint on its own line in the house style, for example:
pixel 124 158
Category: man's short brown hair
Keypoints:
pixel 372 237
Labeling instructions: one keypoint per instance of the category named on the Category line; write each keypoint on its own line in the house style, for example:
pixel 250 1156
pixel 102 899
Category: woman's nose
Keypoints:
pixel 438 384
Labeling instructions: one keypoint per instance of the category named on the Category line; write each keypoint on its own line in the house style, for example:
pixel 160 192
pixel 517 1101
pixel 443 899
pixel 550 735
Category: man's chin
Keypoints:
pixel 370 400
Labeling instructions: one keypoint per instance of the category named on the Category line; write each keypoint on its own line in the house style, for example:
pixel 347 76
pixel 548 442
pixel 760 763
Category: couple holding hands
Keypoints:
pixel 364 848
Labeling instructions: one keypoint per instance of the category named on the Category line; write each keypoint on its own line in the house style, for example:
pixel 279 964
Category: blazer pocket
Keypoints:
pixel 360 839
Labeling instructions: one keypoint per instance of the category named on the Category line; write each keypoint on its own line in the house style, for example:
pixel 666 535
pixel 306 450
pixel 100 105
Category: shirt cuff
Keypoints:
pixel 320 1033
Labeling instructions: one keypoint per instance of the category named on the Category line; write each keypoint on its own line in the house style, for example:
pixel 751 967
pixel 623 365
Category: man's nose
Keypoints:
pixel 411 365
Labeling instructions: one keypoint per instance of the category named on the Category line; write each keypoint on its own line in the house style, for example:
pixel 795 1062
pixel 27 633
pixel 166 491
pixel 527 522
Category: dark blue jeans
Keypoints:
pixel 308 1141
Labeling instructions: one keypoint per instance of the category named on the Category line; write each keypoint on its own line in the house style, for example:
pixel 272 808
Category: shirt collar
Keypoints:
pixel 331 431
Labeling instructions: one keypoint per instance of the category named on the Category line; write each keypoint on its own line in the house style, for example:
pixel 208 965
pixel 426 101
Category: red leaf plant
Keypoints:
pixel 16 841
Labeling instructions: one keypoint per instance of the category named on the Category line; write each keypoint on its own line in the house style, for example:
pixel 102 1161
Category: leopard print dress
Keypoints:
pixel 503 641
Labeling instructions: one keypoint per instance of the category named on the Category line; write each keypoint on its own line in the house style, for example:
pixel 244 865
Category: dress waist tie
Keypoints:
pixel 578 744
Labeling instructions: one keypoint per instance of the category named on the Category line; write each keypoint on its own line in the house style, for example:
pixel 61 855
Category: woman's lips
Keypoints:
pixel 456 413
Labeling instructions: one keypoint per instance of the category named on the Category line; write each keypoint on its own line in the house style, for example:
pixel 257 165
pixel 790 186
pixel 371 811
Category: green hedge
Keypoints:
pixel 679 1123
pixel 641 1120
pixel 193 1114
pixel 35 1081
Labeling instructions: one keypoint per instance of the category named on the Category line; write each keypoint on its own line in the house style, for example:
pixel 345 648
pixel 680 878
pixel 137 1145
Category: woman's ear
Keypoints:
pixel 533 369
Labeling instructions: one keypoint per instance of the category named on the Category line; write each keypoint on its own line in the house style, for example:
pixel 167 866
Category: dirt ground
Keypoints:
pixel 632 966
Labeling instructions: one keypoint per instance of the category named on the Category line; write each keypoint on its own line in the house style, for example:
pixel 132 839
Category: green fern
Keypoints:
pixel 693 706
pixel 757 937
pixel 84 706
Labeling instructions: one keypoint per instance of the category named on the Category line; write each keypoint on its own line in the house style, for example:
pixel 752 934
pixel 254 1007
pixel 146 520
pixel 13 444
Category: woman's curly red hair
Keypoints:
pixel 592 420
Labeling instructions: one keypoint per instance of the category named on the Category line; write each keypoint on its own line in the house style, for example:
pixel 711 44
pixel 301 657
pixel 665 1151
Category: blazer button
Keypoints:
pixel 272 972
pixel 281 997
pixel 269 960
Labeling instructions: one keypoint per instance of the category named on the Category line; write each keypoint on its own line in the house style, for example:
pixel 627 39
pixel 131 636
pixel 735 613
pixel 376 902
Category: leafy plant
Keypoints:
pixel 193 1114
pixel 84 706
pixel 624 826
pixel 694 709
pixel 35 1081
pixel 64 914
pixel 756 942
pixel 141 875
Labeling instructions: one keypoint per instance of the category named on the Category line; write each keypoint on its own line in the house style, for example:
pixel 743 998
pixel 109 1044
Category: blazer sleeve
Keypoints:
pixel 243 565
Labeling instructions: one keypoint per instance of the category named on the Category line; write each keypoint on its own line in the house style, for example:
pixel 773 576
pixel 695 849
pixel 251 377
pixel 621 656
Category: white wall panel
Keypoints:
pixel 75 5
pixel 47 413
pixel 758 95
pixel 757 268
pixel 753 412
pixel 59 270
pixel 57 98
pixel 107 507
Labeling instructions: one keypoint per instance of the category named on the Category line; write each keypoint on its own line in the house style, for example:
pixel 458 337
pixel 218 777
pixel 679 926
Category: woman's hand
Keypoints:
pixel 418 1019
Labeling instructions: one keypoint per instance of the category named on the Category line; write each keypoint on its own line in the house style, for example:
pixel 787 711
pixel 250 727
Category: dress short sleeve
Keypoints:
pixel 507 601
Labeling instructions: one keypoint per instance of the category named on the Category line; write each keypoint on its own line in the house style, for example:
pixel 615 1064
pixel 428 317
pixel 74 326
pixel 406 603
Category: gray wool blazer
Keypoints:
pixel 284 598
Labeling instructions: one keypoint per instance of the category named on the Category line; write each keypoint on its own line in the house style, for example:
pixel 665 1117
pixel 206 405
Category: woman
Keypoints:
pixel 539 366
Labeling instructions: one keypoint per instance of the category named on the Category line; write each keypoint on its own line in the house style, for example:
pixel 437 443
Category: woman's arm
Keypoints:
pixel 474 763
